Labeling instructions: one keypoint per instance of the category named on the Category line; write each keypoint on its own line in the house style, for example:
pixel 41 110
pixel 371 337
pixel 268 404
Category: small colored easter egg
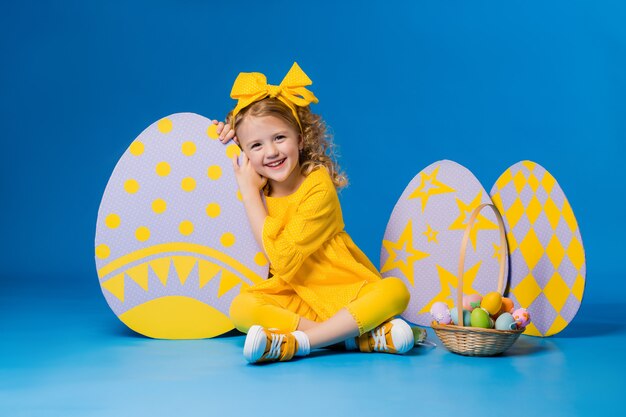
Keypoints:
pixel 507 306
pixel 480 318
pixel 470 302
pixel 506 322
pixel 440 312
pixel 492 302
pixel 467 317
pixel 521 317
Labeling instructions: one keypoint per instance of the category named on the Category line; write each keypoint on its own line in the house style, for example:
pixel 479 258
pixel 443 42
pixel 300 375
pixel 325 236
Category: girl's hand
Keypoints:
pixel 248 179
pixel 225 131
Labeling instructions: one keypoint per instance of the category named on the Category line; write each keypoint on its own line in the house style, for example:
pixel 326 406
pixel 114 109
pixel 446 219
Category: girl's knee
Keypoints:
pixel 397 292
pixel 241 309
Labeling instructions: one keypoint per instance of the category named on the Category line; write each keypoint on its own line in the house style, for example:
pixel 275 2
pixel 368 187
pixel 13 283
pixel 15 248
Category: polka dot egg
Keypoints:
pixel 173 245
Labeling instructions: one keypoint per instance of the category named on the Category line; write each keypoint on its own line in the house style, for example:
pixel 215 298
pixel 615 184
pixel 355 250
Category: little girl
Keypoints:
pixel 322 288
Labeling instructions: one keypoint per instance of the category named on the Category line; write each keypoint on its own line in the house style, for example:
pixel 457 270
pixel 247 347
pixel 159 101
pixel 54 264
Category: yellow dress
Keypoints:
pixel 311 255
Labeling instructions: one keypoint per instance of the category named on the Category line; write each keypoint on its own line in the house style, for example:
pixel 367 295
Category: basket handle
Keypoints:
pixel 468 229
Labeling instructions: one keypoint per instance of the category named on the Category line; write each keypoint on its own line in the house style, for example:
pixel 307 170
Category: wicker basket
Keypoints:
pixel 474 341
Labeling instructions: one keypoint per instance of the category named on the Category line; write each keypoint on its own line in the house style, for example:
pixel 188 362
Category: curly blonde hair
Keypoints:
pixel 318 150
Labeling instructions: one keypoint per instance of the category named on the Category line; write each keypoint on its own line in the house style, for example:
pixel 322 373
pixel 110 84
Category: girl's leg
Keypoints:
pixel 336 329
pixel 250 308
pixel 306 324
pixel 376 303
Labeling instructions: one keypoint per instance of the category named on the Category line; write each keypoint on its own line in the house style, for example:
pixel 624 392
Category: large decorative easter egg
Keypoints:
pixel 423 238
pixel 546 250
pixel 173 245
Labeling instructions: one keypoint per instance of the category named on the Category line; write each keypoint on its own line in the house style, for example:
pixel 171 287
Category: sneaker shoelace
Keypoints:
pixel 380 339
pixel 275 344
pixel 280 347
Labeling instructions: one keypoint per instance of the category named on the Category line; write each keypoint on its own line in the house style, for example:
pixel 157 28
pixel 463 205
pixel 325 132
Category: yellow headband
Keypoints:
pixel 250 87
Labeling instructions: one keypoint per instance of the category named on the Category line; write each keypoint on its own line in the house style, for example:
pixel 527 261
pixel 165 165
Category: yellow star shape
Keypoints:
pixel 465 211
pixel 429 186
pixel 431 234
pixel 402 254
pixel 447 281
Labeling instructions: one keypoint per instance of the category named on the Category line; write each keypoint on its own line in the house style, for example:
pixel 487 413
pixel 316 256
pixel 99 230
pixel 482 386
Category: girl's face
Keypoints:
pixel 273 147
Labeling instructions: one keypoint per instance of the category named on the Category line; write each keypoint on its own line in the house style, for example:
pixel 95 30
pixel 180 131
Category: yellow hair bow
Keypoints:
pixel 250 87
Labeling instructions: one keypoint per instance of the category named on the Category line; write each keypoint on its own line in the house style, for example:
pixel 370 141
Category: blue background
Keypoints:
pixel 401 84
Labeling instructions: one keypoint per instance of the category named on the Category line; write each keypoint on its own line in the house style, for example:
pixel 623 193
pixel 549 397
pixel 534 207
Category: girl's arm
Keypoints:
pixel 250 184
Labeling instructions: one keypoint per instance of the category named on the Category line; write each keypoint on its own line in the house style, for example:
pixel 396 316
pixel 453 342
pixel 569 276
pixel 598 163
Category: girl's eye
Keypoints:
pixel 280 138
pixel 255 145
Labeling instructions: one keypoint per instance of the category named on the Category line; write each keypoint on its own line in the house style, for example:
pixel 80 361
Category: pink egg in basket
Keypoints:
pixel 521 317
pixel 470 302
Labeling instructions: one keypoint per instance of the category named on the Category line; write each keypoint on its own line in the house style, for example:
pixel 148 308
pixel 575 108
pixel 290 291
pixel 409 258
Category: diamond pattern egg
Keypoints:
pixel 173 246
pixel 548 266
pixel 423 238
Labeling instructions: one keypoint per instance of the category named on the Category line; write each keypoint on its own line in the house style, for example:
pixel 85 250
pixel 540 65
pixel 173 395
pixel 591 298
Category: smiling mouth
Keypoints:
pixel 276 164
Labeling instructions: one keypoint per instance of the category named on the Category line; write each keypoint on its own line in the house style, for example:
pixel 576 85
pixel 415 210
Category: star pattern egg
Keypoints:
pixel 423 237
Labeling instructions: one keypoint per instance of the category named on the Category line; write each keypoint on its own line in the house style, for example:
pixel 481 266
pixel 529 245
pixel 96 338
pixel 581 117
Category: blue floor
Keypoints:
pixel 67 355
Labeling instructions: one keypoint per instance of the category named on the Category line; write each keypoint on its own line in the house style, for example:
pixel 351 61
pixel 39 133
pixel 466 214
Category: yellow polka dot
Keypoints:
pixel 188 148
pixel 159 206
pixel 212 131
pixel 232 150
pixel 260 259
pixel 136 148
pixel 112 221
pixel 239 196
pixel 131 186
pixel 227 239
pixel 103 251
pixel 185 228
pixel 188 184
pixel 165 125
pixel 163 169
pixel 213 210
pixel 214 172
pixel 142 233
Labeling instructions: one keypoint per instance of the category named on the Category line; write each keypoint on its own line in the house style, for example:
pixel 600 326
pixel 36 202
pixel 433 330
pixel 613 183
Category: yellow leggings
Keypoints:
pixel 375 303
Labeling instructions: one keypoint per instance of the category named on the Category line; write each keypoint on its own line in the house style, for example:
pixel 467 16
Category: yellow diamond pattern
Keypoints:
pixel 552 213
pixel 579 287
pixel 533 210
pixel 531 249
pixel 532 330
pixel 568 215
pixel 555 251
pixel 519 181
pixel 547 182
pixel 533 182
pixel 558 325
pixel 497 200
pixel 527 290
pixel 576 253
pixel 530 165
pixel 510 239
pixel 515 212
pixel 504 179
pixel 557 291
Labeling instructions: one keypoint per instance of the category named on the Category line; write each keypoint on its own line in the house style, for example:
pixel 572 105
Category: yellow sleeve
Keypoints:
pixel 316 219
